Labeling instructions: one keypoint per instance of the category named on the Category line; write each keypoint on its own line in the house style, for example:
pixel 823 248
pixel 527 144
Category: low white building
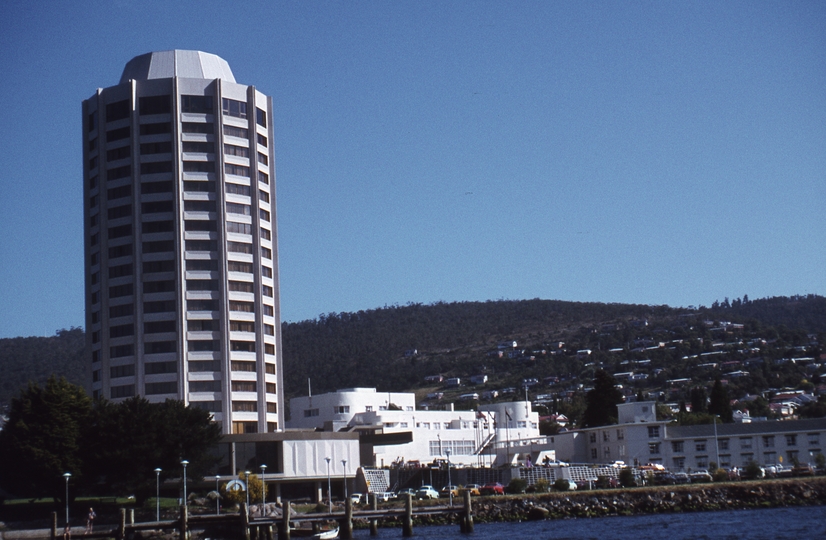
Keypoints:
pixel 394 431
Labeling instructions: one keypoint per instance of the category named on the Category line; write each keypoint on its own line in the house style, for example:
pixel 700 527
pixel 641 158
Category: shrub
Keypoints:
pixel 517 485
pixel 719 475
pixel 603 482
pixel 542 486
pixel 562 484
pixel 626 478
pixel 752 470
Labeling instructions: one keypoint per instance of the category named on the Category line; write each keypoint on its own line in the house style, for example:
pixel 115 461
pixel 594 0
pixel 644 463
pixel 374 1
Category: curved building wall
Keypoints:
pixel 181 253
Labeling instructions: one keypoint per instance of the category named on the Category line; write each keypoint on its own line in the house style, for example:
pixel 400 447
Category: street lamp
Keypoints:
pixel 329 495
pixel 158 494
pixel 263 485
pixel 449 486
pixel 184 463
pixel 247 478
pixel 344 466
pixel 67 476
pixel 217 496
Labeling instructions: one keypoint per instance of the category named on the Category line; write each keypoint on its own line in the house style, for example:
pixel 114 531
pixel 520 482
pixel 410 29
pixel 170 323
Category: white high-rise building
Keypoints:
pixel 182 295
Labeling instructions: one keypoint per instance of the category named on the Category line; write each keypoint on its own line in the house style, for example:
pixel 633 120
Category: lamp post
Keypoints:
pixel 158 494
pixel 329 494
pixel 217 495
pixel 344 466
pixel 449 484
pixel 716 444
pixel 247 478
pixel 67 476
pixel 263 485
pixel 184 463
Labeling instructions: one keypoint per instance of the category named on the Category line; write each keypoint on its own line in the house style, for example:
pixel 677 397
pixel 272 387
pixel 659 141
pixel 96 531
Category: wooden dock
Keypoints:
pixel 267 528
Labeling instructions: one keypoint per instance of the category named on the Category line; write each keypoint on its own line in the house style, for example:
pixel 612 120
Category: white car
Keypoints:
pixel 427 492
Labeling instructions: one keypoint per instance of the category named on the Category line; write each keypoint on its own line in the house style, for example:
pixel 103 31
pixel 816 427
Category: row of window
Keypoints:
pixel 746 443
pixel 162 104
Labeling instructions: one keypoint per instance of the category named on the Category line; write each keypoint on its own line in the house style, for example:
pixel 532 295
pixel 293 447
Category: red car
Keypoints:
pixel 494 488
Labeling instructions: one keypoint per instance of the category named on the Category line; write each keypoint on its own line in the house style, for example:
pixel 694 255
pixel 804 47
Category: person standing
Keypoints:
pixel 90 521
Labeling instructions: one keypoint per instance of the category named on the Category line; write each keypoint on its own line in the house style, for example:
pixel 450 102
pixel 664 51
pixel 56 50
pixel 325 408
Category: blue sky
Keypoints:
pixel 636 152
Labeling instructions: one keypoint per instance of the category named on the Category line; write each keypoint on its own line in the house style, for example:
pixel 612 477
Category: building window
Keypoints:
pixel 242 346
pixel 158 368
pixel 231 107
pixel 263 159
pixel 118 110
pixel 117 134
pixel 270 387
pixel 244 406
pixel 155 105
pixel 723 444
pixel 114 155
pixel 203 345
pixel 120 351
pixel 237 170
pixel 653 448
pixel 699 446
pixel 238 189
pixel 244 427
pixel 679 463
pixel 244 386
pixel 745 443
pixel 233 131
pixel 260 117
pixel 341 409
pixel 237 208
pixel 769 457
pixel 158 207
pixel 267 310
pixel 653 432
pixel 263 177
pixel 237 266
pixel 309 413
pixel 156 148
pixel 199 166
pixel 269 348
pixel 265 234
pixel 768 441
pixel 160 347
pixel 207 128
pixel 159 327
pixel 814 439
pixel 262 140
pixel 203 366
pixel 159 306
pixel 791 440
pixel 196 104
pixel 269 330
pixel 267 291
pixel 702 462
pixel 263 214
pixel 117 372
pixel 198 147
pixel 233 150
pixel 266 253
pixel 205 386
pixel 677 447
pixel 127 390
pixel 157 128
pixel 162 388
pixel 593 453
pixel 263 196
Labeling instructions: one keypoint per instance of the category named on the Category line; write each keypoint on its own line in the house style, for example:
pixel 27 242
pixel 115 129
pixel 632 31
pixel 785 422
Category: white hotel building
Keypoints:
pixel 181 257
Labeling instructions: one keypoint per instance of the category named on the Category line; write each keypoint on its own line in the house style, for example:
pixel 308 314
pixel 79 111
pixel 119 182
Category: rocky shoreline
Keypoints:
pixel 652 500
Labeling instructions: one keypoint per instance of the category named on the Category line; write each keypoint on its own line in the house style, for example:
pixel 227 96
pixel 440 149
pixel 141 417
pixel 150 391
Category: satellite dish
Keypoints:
pixel 236 485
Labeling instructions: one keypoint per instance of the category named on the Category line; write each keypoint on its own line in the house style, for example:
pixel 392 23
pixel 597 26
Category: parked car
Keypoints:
pixel 358 498
pixel 400 496
pixel 427 492
pixel 448 490
pixel 493 488
pixel 681 478
pixel 698 477
pixel 384 496
pixel 804 469
pixel 473 488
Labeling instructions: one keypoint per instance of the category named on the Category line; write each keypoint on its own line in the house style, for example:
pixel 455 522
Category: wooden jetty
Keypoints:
pixel 264 528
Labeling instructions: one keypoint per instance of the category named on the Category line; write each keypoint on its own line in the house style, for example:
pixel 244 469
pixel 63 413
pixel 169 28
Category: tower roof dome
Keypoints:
pixel 177 63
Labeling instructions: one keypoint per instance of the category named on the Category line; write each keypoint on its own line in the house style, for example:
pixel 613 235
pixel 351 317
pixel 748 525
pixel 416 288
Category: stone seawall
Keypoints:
pixel 652 500
pixel 645 500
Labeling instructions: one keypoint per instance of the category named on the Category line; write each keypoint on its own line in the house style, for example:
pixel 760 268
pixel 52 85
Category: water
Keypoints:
pixel 768 524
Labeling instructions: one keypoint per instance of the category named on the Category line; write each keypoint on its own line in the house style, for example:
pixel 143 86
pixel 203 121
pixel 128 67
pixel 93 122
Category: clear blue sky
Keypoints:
pixel 641 152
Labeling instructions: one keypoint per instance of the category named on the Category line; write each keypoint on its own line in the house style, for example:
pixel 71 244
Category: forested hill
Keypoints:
pixel 374 347
pixel 25 359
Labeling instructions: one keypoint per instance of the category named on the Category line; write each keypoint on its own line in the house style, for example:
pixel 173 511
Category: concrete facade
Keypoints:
pixel 181 259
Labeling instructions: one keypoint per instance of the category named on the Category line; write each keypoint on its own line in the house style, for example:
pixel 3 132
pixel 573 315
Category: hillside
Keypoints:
pixel 375 347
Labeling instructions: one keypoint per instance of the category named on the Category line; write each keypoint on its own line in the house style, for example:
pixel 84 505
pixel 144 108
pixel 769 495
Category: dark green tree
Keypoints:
pixel 699 400
pixel 43 439
pixel 134 437
pixel 720 404
pixel 602 401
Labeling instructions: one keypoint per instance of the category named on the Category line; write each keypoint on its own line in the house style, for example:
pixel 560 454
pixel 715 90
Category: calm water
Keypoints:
pixel 769 524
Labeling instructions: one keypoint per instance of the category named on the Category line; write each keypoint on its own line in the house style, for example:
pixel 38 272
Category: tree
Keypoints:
pixel 134 437
pixel 602 401
pixel 720 404
pixel 43 439
pixel 699 400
